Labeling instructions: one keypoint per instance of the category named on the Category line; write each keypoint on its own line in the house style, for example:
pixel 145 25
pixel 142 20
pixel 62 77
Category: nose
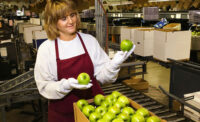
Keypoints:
pixel 69 19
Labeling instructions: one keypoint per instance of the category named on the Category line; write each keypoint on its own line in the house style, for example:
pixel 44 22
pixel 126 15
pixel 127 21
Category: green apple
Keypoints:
pixel 88 109
pixel 118 120
pixel 153 119
pixel 137 118
pixel 119 105
pixel 109 116
pixel 115 94
pixel 94 117
pixel 115 110
pixel 128 110
pixel 110 99
pixel 103 120
pixel 101 109
pixel 83 78
pixel 106 104
pixel 81 103
pixel 143 111
pixel 126 45
pixel 124 117
pixel 98 99
pixel 123 99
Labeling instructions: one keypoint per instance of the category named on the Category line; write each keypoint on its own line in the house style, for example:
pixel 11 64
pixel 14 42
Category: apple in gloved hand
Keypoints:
pixel 81 103
pixel 126 45
pixel 83 78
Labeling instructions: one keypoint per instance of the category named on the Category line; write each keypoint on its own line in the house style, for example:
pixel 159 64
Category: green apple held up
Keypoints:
pixel 101 109
pixel 109 116
pixel 115 94
pixel 143 111
pixel 98 99
pixel 153 119
pixel 94 117
pixel 128 110
pixel 126 45
pixel 137 118
pixel 124 117
pixel 83 78
pixel 88 109
pixel 81 103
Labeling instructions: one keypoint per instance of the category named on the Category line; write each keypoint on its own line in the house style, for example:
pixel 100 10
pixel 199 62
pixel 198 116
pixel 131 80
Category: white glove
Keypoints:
pixel 120 57
pixel 72 83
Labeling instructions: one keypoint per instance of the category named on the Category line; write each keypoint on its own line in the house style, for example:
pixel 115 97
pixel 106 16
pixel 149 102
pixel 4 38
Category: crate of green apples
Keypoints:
pixel 114 107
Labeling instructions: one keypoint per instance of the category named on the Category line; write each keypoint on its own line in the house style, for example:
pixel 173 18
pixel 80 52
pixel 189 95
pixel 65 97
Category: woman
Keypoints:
pixel 65 55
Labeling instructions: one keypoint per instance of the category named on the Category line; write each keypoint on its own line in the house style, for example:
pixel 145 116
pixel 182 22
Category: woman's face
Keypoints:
pixel 68 24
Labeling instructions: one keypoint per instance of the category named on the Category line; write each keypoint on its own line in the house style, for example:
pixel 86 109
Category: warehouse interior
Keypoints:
pixel 162 75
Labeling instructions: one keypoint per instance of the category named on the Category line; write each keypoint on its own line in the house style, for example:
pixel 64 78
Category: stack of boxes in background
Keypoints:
pixel 150 13
pixel 194 115
pixel 39 36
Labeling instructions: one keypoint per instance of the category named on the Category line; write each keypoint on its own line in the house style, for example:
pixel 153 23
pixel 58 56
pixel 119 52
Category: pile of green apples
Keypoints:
pixel 195 33
pixel 114 108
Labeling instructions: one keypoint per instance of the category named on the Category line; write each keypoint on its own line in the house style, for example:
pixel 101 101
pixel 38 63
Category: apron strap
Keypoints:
pixel 56 47
pixel 82 43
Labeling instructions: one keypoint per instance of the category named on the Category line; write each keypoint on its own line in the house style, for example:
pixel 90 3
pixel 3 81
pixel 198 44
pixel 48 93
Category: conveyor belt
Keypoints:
pixel 160 110
pixel 25 80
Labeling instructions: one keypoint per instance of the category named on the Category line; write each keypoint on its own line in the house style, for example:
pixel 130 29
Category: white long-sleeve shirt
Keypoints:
pixel 45 70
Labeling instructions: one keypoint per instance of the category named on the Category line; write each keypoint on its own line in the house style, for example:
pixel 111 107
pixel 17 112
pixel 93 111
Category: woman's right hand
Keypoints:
pixel 72 83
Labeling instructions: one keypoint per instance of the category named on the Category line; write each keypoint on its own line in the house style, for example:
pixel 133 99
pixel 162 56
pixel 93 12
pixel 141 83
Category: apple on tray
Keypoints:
pixel 94 117
pixel 109 116
pixel 153 119
pixel 126 45
pixel 116 94
pixel 98 99
pixel 143 111
pixel 81 103
pixel 137 118
pixel 119 105
pixel 118 120
pixel 128 110
pixel 123 99
pixel 101 109
pixel 106 104
pixel 124 117
pixel 115 110
pixel 110 99
pixel 88 109
pixel 83 78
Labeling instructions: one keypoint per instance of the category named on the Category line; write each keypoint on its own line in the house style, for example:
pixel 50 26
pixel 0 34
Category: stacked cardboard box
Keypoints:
pixel 194 115
pixel 172 44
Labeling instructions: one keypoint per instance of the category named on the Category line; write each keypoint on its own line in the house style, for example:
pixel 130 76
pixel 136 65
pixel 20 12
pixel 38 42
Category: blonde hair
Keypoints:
pixel 55 10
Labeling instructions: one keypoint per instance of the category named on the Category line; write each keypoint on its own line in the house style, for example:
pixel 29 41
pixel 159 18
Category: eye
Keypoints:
pixel 63 18
pixel 72 14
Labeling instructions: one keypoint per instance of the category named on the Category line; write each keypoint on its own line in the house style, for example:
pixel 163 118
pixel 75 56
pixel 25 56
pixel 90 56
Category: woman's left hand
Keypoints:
pixel 121 56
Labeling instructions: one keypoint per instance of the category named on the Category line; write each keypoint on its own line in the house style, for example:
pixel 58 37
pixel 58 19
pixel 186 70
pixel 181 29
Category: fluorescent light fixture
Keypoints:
pixel 114 3
pixel 161 0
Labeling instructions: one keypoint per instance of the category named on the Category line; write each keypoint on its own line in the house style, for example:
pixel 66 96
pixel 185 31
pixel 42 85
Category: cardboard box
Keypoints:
pixel 80 117
pixel 138 84
pixel 172 44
